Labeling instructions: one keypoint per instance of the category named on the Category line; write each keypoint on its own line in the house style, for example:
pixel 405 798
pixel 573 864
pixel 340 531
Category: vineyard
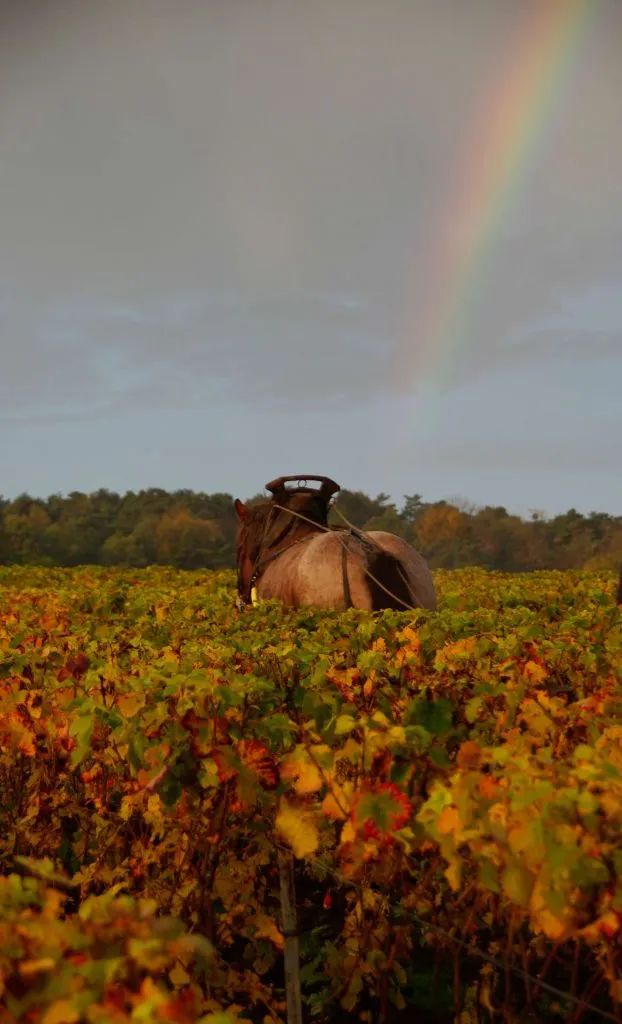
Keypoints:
pixel 445 789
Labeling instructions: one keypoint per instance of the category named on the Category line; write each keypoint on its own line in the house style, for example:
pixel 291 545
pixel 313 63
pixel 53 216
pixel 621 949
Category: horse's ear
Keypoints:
pixel 241 510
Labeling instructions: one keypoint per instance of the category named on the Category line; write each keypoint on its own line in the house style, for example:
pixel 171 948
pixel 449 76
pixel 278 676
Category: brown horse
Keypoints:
pixel 286 550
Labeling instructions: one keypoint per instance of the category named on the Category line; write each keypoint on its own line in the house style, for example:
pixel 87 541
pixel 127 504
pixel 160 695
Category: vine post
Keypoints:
pixel 290 935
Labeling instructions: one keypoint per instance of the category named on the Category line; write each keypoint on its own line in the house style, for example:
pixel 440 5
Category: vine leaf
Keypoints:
pixel 298 829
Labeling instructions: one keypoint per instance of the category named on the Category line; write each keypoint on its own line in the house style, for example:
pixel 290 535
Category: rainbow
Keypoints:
pixel 496 164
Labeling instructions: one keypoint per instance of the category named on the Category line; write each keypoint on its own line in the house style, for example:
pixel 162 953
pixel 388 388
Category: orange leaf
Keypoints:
pixel 448 821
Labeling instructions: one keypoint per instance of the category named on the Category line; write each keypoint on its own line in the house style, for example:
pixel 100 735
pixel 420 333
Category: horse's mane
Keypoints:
pixel 308 503
pixel 258 510
pixel 251 527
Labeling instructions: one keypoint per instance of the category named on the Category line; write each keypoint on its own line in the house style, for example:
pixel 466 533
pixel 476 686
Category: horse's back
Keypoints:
pixel 312 573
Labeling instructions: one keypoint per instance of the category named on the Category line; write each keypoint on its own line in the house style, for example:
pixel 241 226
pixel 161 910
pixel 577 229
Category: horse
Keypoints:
pixel 286 550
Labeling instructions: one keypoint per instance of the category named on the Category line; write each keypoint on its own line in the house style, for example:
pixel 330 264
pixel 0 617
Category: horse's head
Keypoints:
pixel 263 526
pixel 252 521
pixel 260 526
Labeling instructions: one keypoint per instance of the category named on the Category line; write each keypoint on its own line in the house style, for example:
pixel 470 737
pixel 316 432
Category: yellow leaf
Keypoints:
pixel 459 651
pixel 381 719
pixel 154 804
pixel 448 821
pixel 453 874
pixel 607 925
pixel 331 808
pixel 611 805
pixel 178 976
pixel 411 649
pixel 397 734
pixel 299 768
pixel 266 928
pixel 344 725
pixel 348 835
pixel 525 840
pixel 498 814
pixel 485 991
pixel 129 703
pixel 409 636
pixel 517 884
pixel 554 926
pixel 127 808
pixel 149 990
pixel 60 1012
pixel 28 967
pixel 298 829
pixel 535 672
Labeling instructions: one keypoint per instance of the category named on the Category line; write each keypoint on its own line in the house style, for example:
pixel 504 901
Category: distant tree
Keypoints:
pixel 185 540
pixel 194 529
pixel 497 538
pixel 24 527
pixel 359 508
pixel 137 548
pixel 413 507
pixel 442 534
pixel 5 549
pixel 390 521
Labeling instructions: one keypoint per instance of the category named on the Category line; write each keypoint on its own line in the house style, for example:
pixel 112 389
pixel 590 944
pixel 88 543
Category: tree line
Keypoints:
pixel 191 530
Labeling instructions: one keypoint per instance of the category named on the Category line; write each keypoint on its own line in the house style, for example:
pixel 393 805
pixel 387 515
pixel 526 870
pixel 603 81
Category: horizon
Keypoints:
pixel 381 242
pixel 458 501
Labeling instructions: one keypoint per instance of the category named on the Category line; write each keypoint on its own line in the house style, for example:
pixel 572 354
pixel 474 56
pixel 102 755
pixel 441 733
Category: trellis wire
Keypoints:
pixel 477 952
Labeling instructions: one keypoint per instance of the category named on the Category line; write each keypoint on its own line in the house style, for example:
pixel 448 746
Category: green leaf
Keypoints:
pixel 517 884
pixel 82 730
pixel 589 871
pixel 344 725
pixel 473 708
pixel 434 715
pixel 488 876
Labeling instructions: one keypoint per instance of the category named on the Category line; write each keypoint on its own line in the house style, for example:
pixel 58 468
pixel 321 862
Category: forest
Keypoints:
pixel 191 530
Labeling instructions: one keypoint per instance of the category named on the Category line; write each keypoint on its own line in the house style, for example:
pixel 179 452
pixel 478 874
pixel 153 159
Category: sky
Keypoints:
pixel 220 227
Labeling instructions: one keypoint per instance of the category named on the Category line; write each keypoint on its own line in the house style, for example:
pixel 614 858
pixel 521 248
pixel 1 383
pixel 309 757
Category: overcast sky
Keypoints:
pixel 217 218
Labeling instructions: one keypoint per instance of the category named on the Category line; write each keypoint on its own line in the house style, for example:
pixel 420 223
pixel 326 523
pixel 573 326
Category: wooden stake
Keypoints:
pixel 290 935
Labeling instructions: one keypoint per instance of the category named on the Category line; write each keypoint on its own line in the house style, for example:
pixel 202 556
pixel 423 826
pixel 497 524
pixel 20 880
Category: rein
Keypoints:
pixel 353 530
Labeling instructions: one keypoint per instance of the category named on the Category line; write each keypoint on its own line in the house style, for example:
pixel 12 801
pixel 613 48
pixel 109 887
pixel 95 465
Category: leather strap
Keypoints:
pixel 347 595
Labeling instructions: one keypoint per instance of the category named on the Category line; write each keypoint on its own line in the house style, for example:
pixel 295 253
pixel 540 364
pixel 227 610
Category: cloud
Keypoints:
pixel 232 210
pixel 190 349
